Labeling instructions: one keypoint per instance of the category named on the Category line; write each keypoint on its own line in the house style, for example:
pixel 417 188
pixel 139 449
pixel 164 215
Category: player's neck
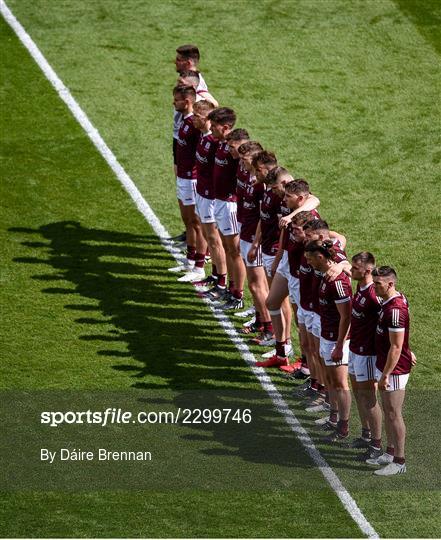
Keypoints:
pixel 390 294
pixel 188 111
pixel 364 282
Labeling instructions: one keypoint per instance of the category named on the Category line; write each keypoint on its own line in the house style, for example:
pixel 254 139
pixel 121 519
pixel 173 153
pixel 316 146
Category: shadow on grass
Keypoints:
pixel 166 330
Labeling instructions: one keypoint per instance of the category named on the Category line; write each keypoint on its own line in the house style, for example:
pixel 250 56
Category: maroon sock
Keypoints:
pixel 221 280
pixel 258 319
pixel 314 384
pixel 343 427
pixel 214 270
pixel 333 416
pixel 268 326
pixel 376 443
pixel 399 460
pixel 191 253
pixel 237 294
pixel 280 348
pixel 200 260
pixel 231 286
pixel 390 450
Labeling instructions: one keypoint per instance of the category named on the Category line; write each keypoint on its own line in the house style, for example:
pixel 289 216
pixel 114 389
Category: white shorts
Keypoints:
pixel 306 318
pixel 268 263
pixel 294 292
pixel 186 191
pixel 225 213
pixel 362 367
pixel 317 326
pixel 396 382
pixel 205 209
pixel 326 349
pixel 245 248
pixel 283 268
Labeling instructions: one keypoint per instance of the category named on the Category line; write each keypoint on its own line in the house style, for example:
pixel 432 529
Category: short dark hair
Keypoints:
pixel 316 225
pixel 385 271
pixel 190 52
pixel 302 217
pixel 266 158
pixel 190 74
pixel 185 91
pixel 223 116
pixel 364 257
pixel 250 147
pixel 274 175
pixel 325 247
pixel 297 186
pixel 238 134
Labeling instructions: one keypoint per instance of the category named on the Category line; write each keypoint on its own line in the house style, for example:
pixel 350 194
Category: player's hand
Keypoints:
pixel 284 222
pixel 383 383
pixel 337 354
pixel 252 254
pixel 333 272
pixel 413 359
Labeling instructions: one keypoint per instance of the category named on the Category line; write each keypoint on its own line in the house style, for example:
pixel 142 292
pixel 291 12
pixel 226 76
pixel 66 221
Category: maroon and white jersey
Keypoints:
pixel 251 202
pixel 366 308
pixel 187 141
pixel 177 116
pixel 269 221
pixel 394 317
pixel 242 181
pixel 204 165
pixel 295 249
pixel 339 256
pixel 306 273
pixel 224 173
pixel 332 293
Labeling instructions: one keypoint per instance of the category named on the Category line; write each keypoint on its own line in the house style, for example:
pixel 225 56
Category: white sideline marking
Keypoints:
pixel 282 407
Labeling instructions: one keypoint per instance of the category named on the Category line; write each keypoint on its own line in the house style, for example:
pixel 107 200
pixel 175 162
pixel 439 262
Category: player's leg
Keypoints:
pixel 338 382
pixel 392 402
pixel 277 294
pixel 216 248
pixel 258 287
pixel 393 418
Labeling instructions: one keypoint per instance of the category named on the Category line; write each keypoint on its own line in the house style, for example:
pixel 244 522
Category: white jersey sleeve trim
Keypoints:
pixel 343 300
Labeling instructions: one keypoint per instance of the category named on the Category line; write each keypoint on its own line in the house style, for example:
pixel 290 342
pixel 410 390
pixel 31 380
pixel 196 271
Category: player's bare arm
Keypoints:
pixel 252 254
pixel 396 345
pixel 311 203
pixel 344 310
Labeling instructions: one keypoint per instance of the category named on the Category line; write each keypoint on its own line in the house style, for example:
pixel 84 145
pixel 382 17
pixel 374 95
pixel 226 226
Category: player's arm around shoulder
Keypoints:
pixel 204 94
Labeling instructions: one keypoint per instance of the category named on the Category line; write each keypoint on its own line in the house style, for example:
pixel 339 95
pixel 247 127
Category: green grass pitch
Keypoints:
pixel 347 95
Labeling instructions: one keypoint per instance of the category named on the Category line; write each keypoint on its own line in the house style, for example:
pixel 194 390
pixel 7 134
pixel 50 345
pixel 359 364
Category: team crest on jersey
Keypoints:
pixel 186 128
pixel 363 301
pixel 323 286
pixel 207 145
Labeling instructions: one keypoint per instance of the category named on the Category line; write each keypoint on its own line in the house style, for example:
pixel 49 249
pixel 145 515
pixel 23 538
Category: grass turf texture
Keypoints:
pixel 349 105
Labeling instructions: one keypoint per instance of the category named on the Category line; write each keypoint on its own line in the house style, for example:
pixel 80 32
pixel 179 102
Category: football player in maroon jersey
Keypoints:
pixel 362 358
pixel 301 200
pixel 205 153
pixel 188 137
pixel 251 194
pixel 335 314
pixel 225 207
pixel 318 229
pixel 394 362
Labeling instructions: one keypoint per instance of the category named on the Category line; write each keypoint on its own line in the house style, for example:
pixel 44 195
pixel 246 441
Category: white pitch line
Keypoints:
pixel 280 404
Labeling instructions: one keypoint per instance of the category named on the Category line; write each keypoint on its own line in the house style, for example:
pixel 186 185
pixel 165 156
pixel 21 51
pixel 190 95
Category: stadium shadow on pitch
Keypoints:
pixel 163 327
